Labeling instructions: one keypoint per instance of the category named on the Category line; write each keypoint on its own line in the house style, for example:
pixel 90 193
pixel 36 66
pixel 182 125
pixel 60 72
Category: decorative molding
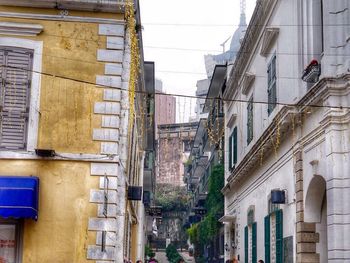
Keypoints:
pixel 37 46
pixel 110 6
pixel 269 35
pixel 247 82
pixel 104 158
pixel 62 18
pixel 20 29
pixel 231 120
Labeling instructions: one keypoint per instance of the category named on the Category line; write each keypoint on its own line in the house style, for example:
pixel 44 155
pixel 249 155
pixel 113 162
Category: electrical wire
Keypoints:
pixel 238 25
pixel 176 95
pixel 98 42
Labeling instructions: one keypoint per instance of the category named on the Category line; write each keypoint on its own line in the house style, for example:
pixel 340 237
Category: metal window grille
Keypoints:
pixel 105 195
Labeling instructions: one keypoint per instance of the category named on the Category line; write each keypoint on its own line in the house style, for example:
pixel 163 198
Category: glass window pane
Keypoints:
pixel 7 243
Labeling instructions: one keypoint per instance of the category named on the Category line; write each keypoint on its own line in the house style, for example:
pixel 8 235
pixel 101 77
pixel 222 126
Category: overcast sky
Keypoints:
pixel 170 26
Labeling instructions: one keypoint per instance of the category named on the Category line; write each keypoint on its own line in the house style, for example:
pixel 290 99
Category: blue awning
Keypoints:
pixel 19 197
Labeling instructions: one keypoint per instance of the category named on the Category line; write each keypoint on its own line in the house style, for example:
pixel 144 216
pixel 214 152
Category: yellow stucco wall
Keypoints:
pixel 66 123
pixel 60 234
pixel 66 105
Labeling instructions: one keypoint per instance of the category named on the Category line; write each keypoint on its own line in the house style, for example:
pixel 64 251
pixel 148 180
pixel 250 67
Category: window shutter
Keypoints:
pixel 246 253
pixel 15 91
pixel 267 239
pixel 254 255
pixel 279 236
pixel 230 153
pixel 271 85
pixel 234 146
pixel 250 121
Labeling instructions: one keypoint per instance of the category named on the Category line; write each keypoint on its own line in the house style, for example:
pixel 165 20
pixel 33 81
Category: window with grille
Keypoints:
pixel 250 115
pixel 15 80
pixel 271 85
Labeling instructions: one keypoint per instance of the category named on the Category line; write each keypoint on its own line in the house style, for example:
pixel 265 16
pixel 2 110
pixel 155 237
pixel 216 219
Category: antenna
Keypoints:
pixel 223 44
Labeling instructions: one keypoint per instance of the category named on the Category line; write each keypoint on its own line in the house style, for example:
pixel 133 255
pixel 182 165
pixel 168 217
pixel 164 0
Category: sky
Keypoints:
pixel 200 27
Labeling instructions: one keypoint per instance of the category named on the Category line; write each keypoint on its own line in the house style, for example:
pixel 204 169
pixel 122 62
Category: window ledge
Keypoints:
pixel 20 29
pixel 269 35
pixel 247 82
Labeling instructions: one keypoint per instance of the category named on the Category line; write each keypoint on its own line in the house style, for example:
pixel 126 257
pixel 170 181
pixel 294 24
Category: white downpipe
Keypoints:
pixel 141 217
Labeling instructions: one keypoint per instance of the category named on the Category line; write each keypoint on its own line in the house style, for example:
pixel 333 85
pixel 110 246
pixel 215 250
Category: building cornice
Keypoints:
pixel 61 18
pixel 20 29
pixel 110 6
pixel 313 98
pixel 262 12
pixel 280 124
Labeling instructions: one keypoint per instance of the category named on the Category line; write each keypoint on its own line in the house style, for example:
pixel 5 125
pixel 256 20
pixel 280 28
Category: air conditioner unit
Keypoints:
pixel 278 196
pixel 135 193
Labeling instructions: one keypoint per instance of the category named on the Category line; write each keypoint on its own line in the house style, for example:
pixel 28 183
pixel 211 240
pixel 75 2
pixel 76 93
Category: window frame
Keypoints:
pixel 233 149
pixel 10 82
pixel 250 120
pixel 19 224
pixel 272 84
pixel 34 97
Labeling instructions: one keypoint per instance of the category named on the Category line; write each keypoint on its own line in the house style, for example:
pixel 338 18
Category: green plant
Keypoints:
pixel 172 254
pixel 149 252
pixel 202 233
pixel 171 198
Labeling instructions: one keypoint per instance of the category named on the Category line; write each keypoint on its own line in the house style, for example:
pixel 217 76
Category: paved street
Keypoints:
pixel 161 257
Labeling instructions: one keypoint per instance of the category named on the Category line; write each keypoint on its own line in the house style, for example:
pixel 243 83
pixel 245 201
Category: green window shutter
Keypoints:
pixel 254 254
pixel 14 96
pixel 279 236
pixel 271 85
pixel 267 239
pixel 246 241
pixel 250 121
pixel 235 146
pixel 230 153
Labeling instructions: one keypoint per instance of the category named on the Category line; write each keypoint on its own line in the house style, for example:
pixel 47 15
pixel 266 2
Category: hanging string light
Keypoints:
pixel 134 57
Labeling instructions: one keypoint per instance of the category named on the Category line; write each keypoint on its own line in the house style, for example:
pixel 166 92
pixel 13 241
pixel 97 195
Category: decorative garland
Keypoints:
pixel 134 57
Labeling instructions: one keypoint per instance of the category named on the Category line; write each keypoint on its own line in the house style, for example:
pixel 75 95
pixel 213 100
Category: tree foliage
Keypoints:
pixel 202 233
pixel 171 198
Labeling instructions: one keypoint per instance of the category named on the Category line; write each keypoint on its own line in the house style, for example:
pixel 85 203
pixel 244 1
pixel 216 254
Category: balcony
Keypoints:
pixel 111 6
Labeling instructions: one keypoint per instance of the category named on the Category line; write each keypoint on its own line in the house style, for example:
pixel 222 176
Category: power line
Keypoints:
pixel 176 48
pixel 237 25
pixel 173 94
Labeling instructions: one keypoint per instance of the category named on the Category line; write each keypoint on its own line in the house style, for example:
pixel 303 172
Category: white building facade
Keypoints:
pixel 287 117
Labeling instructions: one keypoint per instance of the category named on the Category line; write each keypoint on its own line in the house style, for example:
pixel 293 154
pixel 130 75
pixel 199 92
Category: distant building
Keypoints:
pixel 230 55
pixel 202 90
pixel 174 145
pixel 165 107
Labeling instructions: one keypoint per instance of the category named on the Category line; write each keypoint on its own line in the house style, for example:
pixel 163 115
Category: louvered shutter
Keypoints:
pixel 246 242
pixel 254 252
pixel 271 82
pixel 15 88
pixel 230 153
pixel 267 239
pixel 279 236
pixel 234 146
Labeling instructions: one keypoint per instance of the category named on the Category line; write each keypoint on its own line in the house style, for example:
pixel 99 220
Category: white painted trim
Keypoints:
pixel 33 122
pixel 62 18
pixel 20 29
pixel 22 155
